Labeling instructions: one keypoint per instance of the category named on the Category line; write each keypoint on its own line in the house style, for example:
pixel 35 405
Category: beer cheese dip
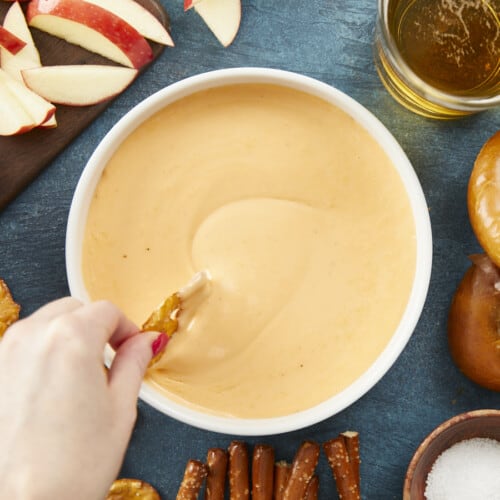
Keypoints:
pixel 300 219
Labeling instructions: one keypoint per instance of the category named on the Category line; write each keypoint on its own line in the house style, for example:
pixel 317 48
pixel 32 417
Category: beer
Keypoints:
pixel 453 46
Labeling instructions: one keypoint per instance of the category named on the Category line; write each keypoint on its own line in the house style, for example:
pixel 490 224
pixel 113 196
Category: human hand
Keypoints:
pixel 64 422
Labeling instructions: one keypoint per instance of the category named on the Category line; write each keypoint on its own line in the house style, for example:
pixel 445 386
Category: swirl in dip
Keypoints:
pixel 302 222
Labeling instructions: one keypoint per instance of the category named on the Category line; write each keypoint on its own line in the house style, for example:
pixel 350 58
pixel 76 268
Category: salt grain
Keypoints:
pixel 468 470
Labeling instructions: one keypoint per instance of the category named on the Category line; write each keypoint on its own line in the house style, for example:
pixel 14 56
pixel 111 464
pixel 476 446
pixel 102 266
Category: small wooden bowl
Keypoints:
pixel 479 423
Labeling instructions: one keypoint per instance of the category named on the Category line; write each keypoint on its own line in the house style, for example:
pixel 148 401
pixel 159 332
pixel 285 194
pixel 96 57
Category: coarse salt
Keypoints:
pixel 468 470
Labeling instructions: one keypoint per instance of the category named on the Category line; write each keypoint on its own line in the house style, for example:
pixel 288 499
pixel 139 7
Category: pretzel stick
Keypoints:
pixel 312 489
pixel 281 475
pixel 351 441
pixel 262 472
pixel 336 453
pixel 239 484
pixel 194 474
pixel 216 478
pixel 303 466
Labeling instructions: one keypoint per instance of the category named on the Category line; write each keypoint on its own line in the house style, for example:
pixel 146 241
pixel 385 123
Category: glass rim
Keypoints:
pixel 436 96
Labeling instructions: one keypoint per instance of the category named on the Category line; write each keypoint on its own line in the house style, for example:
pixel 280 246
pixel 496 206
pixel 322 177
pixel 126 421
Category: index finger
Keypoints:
pixel 107 322
pixel 56 308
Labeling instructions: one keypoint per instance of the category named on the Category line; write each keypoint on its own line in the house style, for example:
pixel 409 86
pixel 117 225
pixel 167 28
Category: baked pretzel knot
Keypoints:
pixel 132 489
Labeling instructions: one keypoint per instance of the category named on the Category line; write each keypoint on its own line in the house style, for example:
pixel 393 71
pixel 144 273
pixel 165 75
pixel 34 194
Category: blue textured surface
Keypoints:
pixel 331 41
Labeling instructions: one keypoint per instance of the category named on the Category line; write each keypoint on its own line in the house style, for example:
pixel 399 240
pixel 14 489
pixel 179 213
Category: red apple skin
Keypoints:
pixel 24 129
pixel 188 4
pixel 10 41
pixel 101 20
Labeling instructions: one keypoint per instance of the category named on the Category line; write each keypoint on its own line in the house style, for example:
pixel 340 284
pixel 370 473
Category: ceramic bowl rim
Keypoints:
pixel 143 110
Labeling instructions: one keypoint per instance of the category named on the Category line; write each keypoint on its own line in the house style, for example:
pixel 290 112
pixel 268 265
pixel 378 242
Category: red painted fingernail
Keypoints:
pixel 159 344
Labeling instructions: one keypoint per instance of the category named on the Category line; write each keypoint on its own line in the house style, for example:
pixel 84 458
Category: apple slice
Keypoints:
pixel 10 41
pixel 93 28
pixel 28 56
pixel 15 120
pixel 190 3
pixel 78 85
pixel 139 18
pixel 222 17
pixel 35 107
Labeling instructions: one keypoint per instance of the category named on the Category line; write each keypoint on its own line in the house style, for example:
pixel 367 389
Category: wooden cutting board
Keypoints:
pixel 24 156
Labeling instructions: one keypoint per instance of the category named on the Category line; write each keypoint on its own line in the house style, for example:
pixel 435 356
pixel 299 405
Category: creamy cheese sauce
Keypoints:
pixel 299 217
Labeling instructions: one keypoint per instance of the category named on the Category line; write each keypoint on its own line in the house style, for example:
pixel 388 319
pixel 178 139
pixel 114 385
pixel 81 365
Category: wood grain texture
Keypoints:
pixel 24 156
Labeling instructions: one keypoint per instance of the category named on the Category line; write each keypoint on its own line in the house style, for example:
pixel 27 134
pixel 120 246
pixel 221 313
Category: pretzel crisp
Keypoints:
pixel 9 309
pixel 165 318
pixel 239 483
pixel 303 467
pixel 216 478
pixel 194 475
pixel 132 489
pixel 262 472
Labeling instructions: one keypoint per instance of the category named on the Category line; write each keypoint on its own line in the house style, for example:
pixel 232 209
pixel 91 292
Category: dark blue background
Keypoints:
pixel 331 41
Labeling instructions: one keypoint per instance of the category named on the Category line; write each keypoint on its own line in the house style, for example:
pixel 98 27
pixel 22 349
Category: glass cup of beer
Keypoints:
pixel 440 58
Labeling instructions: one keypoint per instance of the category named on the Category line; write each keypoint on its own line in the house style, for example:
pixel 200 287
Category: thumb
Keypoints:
pixel 130 364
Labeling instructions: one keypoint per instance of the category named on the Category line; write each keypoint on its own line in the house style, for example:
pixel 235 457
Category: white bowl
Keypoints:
pixel 91 175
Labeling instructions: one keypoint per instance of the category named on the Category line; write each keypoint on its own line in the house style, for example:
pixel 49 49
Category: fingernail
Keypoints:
pixel 159 344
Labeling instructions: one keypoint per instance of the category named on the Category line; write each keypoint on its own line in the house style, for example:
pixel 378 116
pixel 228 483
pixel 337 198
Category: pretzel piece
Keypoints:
pixel 132 489
pixel 216 478
pixel 303 466
pixel 164 318
pixel 281 474
pixel 312 488
pixel 239 483
pixel 338 459
pixel 351 441
pixel 9 309
pixel 194 475
pixel 262 472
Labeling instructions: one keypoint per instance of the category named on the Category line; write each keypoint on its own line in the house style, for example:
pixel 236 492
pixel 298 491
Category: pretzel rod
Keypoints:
pixel 239 484
pixel 351 441
pixel 194 474
pixel 262 472
pixel 338 459
pixel 312 489
pixel 216 478
pixel 281 475
pixel 303 466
